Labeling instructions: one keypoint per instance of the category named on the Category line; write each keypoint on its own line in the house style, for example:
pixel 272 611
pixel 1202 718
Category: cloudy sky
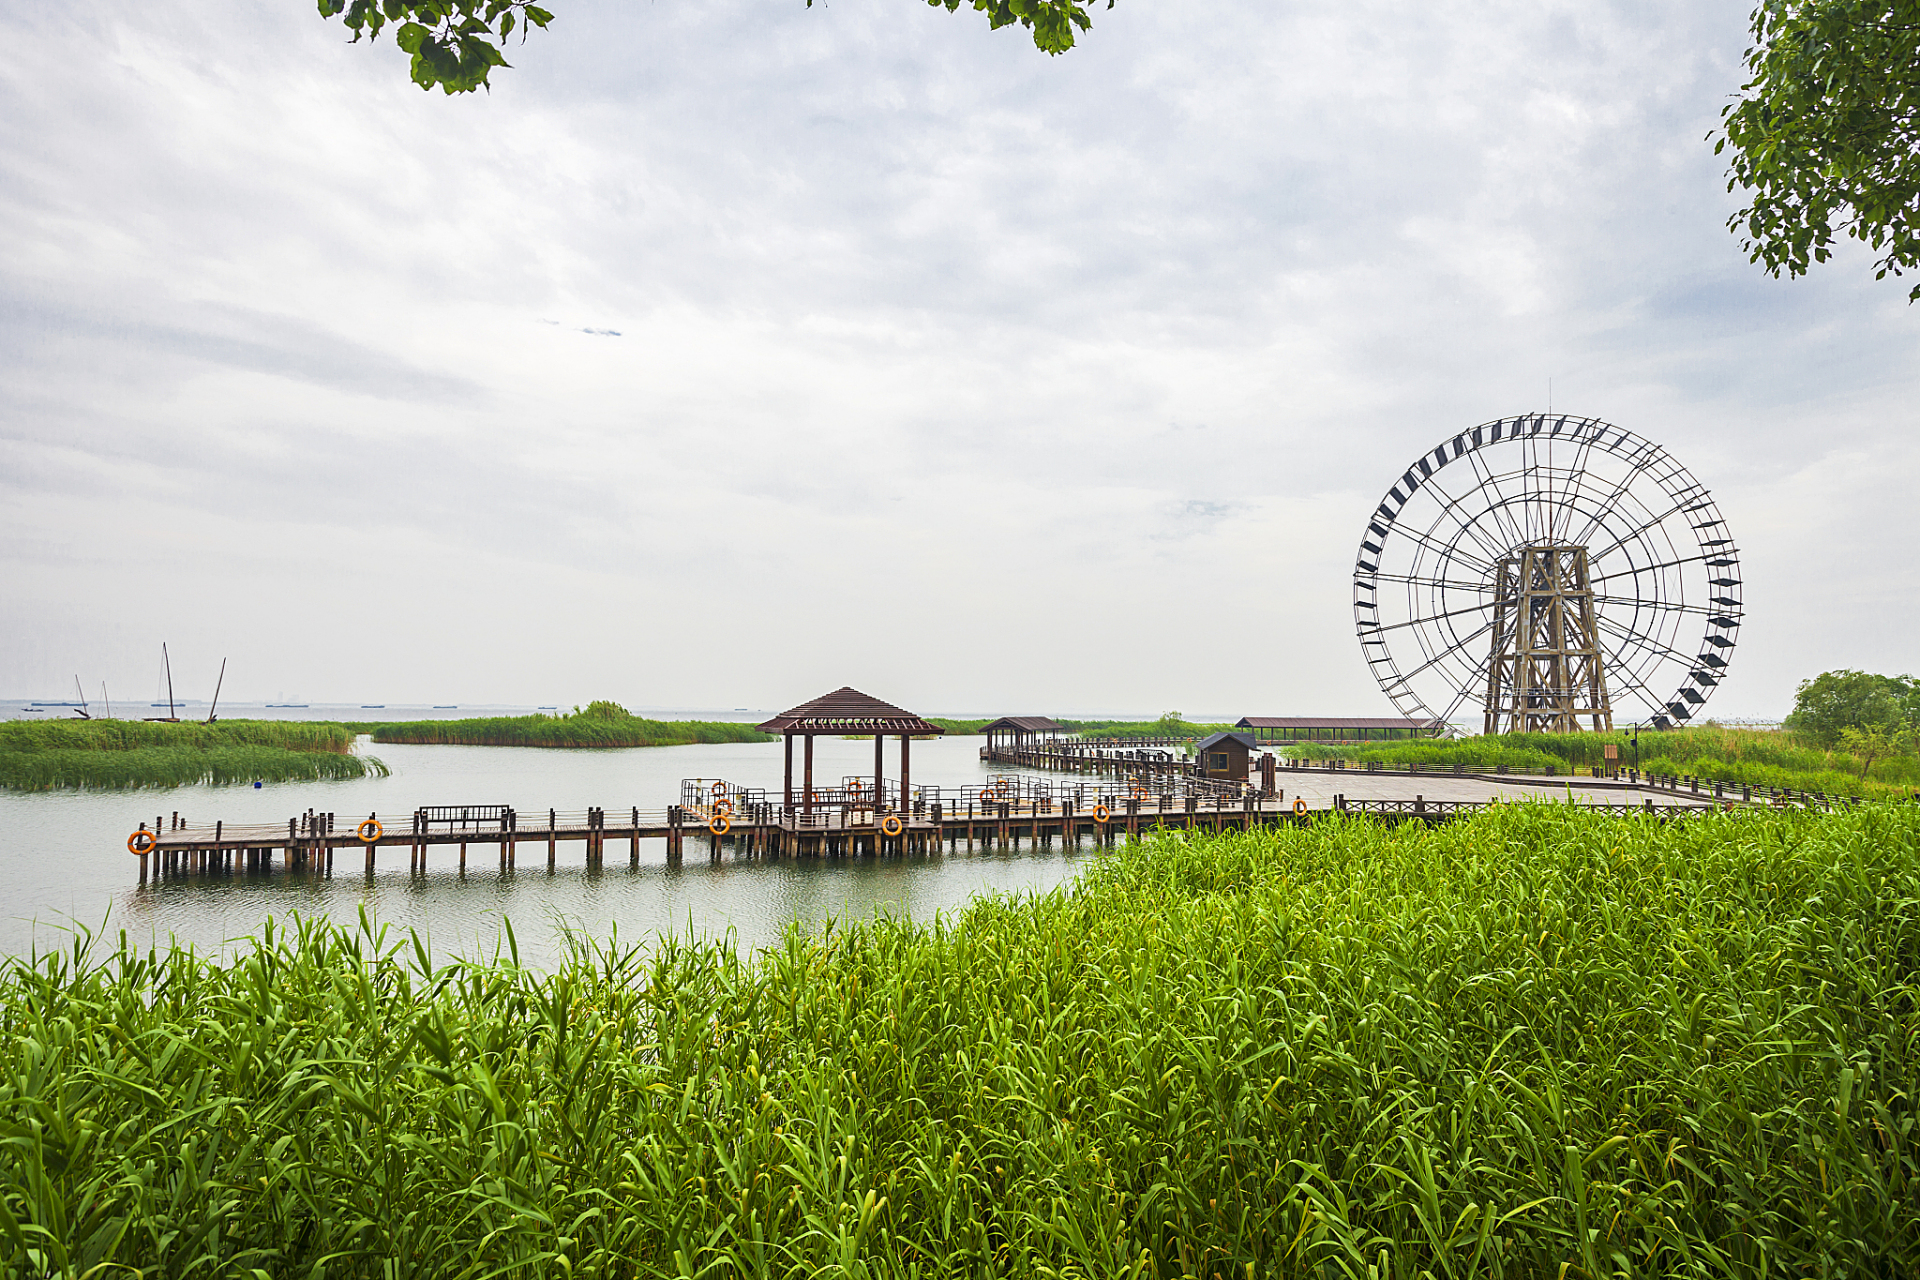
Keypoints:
pixel 731 350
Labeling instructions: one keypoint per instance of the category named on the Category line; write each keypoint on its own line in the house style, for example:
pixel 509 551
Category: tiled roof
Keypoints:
pixel 847 710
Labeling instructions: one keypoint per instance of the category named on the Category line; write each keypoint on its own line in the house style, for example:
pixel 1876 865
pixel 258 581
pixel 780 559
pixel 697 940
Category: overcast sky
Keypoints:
pixel 730 351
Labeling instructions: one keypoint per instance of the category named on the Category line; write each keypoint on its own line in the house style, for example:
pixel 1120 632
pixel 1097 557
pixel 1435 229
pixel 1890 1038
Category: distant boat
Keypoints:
pixel 546 708
pixel 373 706
pixel 289 704
pixel 451 706
pixel 57 704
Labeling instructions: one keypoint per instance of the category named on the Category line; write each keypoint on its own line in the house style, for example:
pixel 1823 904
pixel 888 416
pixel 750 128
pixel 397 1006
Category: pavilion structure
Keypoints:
pixel 846 712
pixel 1023 732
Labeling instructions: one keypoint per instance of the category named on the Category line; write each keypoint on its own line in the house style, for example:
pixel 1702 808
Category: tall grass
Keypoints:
pixel 126 735
pixel 176 767
pixel 46 755
pixel 1761 757
pixel 1539 1043
pixel 566 731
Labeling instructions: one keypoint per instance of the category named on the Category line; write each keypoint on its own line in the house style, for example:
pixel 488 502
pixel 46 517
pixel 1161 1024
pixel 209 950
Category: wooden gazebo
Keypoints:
pixel 1023 730
pixel 848 712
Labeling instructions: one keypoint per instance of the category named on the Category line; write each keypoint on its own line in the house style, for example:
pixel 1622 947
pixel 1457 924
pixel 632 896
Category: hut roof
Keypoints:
pixel 1213 739
pixel 1025 724
pixel 847 710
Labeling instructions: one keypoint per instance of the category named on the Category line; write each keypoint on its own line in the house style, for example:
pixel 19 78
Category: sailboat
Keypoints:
pixel 173 715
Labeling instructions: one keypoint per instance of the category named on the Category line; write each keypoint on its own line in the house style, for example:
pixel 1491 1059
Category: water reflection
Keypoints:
pixel 66 859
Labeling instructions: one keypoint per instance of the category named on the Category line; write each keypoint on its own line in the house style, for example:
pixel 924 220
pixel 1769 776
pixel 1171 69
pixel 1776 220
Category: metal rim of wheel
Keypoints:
pixel 1424 578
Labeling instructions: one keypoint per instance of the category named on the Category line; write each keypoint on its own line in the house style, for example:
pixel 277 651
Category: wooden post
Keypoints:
pixel 633 859
pixel 806 793
pixel 906 775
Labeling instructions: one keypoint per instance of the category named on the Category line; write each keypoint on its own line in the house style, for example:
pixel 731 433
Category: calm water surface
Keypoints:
pixel 66 861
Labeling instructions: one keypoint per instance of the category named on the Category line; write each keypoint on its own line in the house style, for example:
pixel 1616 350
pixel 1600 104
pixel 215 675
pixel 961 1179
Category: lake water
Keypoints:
pixel 65 855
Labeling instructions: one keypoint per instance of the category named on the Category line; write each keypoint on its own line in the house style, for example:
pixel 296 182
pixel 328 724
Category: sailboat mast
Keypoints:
pixel 168 662
pixel 216 691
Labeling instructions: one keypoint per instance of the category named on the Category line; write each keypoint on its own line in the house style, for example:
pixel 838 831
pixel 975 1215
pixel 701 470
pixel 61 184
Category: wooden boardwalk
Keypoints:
pixel 842 822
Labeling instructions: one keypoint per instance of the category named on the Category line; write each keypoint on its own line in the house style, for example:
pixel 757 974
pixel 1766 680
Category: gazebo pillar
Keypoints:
pixel 879 791
pixel 807 792
pixel 788 739
pixel 906 777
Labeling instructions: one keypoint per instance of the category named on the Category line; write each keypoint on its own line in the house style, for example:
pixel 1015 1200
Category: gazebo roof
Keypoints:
pixel 1025 724
pixel 847 710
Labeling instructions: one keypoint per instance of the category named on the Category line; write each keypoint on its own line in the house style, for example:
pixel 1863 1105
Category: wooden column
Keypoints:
pixel 879 792
pixel 906 776
pixel 788 739
pixel 806 792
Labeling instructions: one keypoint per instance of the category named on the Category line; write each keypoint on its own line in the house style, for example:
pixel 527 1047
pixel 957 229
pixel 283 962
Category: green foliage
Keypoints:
pixel 1834 701
pixel 1826 134
pixel 1537 1043
pixel 453 42
pixel 45 755
pixel 456 44
pixel 1171 725
pixel 1757 757
pixel 602 724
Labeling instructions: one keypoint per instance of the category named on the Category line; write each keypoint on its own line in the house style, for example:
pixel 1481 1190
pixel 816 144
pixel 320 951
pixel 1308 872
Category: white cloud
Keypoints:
pixel 980 379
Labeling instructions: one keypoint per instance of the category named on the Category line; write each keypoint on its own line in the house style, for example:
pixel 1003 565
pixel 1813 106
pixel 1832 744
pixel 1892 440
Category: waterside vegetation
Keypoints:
pixel 1760 757
pixel 600 724
pixel 46 755
pixel 1539 1042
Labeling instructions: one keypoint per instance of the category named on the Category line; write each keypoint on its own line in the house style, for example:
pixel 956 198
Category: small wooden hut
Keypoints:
pixel 1224 756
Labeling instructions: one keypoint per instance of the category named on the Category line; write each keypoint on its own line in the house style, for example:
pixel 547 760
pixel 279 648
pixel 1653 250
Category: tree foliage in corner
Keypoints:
pixel 456 44
pixel 1826 135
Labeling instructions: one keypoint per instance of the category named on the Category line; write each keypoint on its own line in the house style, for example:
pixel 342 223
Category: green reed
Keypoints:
pixel 46 755
pixel 1761 757
pixel 1539 1043
pixel 565 731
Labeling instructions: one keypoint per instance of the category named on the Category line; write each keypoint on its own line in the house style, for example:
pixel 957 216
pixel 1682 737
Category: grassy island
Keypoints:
pixel 1761 757
pixel 601 724
pixel 1537 1043
pixel 46 755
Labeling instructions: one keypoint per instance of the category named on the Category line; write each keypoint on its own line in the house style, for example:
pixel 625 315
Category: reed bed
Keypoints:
pixel 1539 1043
pixel 43 755
pixel 1761 757
pixel 565 731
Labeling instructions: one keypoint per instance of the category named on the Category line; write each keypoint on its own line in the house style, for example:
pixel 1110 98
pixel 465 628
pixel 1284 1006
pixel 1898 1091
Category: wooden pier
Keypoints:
pixel 843 822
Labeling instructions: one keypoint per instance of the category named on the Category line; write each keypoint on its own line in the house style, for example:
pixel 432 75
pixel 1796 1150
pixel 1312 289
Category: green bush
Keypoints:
pixel 1540 1042
pixel 585 729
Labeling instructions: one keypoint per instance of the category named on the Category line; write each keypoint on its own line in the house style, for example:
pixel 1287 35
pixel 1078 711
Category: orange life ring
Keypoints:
pixel 1100 813
pixel 369 831
pixel 891 825
pixel 1299 806
pixel 723 806
pixel 717 789
pixel 142 842
pixel 720 825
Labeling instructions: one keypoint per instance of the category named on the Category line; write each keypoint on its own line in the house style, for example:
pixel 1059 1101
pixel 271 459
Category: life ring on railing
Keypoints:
pixel 891 825
pixel 142 842
pixel 723 806
pixel 720 825
pixel 1299 807
pixel 717 789
pixel 369 831
pixel 1137 792
pixel 1100 813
